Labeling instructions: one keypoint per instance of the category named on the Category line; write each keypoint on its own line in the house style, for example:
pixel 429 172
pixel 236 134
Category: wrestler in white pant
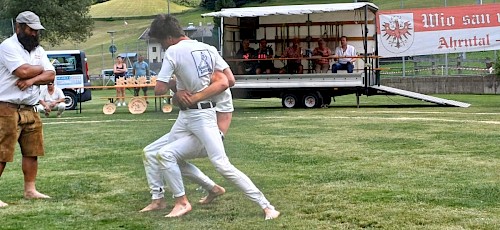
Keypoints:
pixel 152 166
pixel 202 124
pixel 196 66
pixel 224 108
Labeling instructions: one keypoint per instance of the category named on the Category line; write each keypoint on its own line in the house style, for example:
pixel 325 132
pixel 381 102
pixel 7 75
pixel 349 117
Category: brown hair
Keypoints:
pixel 164 26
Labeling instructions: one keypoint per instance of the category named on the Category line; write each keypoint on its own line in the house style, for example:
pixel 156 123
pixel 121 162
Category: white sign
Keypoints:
pixel 69 81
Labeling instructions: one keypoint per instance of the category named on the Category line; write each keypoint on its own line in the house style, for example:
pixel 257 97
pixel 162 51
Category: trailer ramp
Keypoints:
pixel 419 96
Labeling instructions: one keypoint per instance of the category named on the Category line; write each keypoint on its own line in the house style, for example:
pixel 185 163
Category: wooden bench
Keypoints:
pixel 137 104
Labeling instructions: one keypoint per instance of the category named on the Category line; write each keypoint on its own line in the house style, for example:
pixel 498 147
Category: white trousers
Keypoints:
pixel 202 123
pixel 152 165
pixel 60 108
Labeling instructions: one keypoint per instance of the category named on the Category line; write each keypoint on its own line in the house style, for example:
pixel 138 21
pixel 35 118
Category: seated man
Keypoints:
pixel 264 52
pixel 347 52
pixel 293 65
pixel 246 52
pixel 51 98
pixel 322 64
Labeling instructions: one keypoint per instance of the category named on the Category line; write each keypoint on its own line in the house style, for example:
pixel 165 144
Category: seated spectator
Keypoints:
pixel 323 64
pixel 264 52
pixel 246 52
pixel 293 65
pixel 51 98
pixel 344 52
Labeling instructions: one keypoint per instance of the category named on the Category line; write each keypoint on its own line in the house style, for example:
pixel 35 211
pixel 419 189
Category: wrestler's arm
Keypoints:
pixel 161 88
pixel 230 77
pixel 218 84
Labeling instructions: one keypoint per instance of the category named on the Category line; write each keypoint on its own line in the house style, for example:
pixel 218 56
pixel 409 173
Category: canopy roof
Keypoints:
pixel 288 10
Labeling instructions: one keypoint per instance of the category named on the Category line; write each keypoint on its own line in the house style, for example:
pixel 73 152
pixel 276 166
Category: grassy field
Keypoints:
pixel 131 8
pixel 394 163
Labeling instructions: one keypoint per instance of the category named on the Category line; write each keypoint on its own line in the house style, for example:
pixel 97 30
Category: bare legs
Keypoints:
pixel 181 207
pixel 156 204
pixel 2 166
pixel 212 194
pixel 30 169
pixel 120 95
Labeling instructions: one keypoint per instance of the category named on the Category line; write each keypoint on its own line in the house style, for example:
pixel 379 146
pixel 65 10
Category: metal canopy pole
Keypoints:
pixel 365 46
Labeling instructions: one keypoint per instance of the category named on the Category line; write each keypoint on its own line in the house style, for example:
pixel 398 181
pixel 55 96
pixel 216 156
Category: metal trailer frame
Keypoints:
pixel 315 89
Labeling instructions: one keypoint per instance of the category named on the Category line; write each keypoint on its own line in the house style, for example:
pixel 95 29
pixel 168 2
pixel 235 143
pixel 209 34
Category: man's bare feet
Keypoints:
pixel 271 213
pixel 179 210
pixel 212 194
pixel 35 195
pixel 156 204
pixel 2 204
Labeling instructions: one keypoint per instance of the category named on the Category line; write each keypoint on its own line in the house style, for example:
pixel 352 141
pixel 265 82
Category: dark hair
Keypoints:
pixel 22 25
pixel 344 37
pixel 164 26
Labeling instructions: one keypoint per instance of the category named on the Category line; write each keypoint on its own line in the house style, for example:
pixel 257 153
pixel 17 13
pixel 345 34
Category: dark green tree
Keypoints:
pixel 208 4
pixel 63 19
pixel 219 4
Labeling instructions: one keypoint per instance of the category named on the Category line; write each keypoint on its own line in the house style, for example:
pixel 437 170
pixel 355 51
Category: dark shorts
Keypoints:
pixel 263 65
pixel 119 76
pixel 23 126
pixel 292 67
pixel 137 90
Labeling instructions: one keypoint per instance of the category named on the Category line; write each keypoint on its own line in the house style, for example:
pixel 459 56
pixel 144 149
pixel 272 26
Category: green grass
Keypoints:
pixel 393 163
pixel 133 8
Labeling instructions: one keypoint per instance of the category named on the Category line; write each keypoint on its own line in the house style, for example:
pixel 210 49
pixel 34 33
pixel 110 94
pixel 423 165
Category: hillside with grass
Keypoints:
pixel 133 8
pixel 129 19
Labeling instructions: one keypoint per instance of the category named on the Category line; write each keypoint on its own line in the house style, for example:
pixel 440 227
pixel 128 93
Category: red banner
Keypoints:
pixel 439 30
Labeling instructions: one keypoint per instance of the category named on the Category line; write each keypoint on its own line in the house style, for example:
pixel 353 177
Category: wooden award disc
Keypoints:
pixel 166 108
pixel 109 108
pixel 137 105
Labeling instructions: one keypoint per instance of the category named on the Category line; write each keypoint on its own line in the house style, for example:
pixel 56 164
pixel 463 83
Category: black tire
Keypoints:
pixel 70 100
pixel 311 100
pixel 289 101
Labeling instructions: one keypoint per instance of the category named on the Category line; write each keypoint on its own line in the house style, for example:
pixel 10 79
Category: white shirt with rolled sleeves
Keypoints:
pixel 350 51
pixel 13 55
pixel 193 64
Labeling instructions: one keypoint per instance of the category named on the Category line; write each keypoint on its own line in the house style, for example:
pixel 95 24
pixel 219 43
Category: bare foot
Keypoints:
pixel 2 204
pixel 271 213
pixel 179 210
pixel 35 195
pixel 156 204
pixel 212 194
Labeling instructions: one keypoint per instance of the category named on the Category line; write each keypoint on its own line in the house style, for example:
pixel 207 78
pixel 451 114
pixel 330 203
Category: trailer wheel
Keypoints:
pixel 289 101
pixel 70 100
pixel 311 100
